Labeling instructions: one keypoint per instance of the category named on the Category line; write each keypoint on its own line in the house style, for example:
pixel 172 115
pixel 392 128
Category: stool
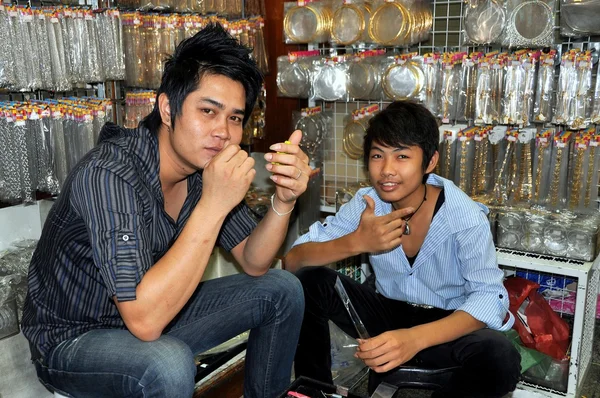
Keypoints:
pixel 413 377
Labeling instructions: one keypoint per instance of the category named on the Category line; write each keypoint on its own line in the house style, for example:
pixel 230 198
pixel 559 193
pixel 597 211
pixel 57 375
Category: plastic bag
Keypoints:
pixel 537 324
pixel 343 347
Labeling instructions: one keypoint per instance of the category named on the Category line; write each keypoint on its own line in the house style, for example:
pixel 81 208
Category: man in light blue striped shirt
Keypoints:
pixel 439 299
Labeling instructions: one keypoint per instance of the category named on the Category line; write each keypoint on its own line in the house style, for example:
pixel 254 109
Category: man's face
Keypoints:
pixel 211 118
pixel 396 173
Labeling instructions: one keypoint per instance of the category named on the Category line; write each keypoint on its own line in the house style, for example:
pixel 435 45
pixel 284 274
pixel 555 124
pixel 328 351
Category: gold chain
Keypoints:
pixel 463 166
pixel 538 172
pixel 577 180
pixel 556 177
pixel 590 175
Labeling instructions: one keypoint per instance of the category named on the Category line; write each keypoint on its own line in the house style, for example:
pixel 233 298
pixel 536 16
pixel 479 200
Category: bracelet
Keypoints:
pixel 275 210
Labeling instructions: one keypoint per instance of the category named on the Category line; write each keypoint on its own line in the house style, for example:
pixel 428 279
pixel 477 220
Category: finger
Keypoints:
pixel 228 153
pixel 393 243
pixel 238 158
pixel 386 367
pixel 296 137
pixel 373 353
pixel 247 165
pixel 403 212
pixel 289 159
pixel 296 185
pixel 377 362
pixel 292 172
pixel 371 344
pixel 370 204
pixel 396 224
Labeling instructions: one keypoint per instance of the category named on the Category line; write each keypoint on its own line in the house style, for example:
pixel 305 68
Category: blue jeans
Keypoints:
pixel 114 363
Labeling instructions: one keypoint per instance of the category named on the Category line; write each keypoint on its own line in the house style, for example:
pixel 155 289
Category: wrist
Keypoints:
pixel 355 243
pixel 281 208
pixel 420 336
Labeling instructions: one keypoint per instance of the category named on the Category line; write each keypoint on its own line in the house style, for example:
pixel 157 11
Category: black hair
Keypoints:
pixel 403 123
pixel 211 51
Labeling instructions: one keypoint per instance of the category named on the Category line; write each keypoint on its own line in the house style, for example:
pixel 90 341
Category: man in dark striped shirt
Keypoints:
pixel 115 304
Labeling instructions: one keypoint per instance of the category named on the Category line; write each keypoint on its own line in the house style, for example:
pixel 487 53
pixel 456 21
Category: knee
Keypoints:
pixel 288 291
pixel 502 354
pixel 171 371
pixel 500 360
pixel 313 277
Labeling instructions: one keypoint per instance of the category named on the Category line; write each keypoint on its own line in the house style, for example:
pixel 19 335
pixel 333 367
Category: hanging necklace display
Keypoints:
pixel 524 191
pixel 483 94
pixel 582 104
pixel 595 116
pixel 591 195
pixel 468 87
pixel 530 24
pixel 580 150
pixel 497 80
pixel 465 154
pixel 484 21
pixel 432 71
pixel 566 88
pixel 450 84
pixel 545 88
pixel 482 174
pixel 502 176
pixel 407 218
pixel 530 70
pixel 559 168
pixel 591 164
pixel 512 177
pixel 544 149
pixel 448 153
pixel 513 78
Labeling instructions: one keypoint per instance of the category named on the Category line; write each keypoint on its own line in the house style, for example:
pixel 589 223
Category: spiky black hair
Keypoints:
pixel 211 51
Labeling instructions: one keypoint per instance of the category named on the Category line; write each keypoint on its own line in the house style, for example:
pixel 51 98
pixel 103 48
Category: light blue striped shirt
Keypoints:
pixel 456 268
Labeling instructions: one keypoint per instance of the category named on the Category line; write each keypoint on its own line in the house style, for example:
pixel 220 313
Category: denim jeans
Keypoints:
pixel 114 363
pixel 490 365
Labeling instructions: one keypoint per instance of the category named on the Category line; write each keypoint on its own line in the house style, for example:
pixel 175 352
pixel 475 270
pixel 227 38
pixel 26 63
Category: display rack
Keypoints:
pixel 446 35
pixel 586 275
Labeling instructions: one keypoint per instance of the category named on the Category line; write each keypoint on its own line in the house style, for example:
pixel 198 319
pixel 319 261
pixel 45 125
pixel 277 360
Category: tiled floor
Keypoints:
pixel 591 386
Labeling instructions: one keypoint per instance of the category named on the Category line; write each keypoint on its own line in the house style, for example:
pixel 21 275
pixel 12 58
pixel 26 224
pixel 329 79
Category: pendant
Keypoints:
pixel 406 229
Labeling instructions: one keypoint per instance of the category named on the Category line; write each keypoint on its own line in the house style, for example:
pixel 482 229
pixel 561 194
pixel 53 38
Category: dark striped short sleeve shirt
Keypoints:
pixel 107 228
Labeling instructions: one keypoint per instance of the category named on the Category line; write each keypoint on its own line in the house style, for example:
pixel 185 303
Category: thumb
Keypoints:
pixel 370 203
pixel 296 137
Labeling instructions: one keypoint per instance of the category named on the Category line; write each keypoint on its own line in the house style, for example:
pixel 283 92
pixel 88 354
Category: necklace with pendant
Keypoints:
pixel 407 218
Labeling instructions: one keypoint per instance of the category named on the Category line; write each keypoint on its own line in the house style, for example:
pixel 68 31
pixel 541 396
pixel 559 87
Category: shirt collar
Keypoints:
pixel 460 211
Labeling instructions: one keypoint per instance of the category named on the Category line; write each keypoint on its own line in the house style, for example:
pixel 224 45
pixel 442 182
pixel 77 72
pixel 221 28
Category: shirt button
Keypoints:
pixel 125 238
pixel 410 274
pixel 501 296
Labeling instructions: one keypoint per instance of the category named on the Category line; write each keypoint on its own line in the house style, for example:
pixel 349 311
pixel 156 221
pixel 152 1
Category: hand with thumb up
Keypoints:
pixel 380 233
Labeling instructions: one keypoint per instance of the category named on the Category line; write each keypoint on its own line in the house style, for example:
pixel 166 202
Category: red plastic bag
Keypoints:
pixel 539 327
